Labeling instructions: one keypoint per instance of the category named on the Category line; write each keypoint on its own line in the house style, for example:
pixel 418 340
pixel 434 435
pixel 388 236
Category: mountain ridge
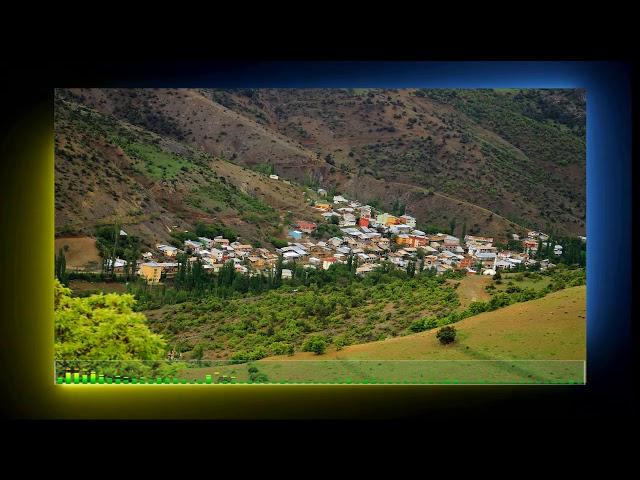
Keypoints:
pixel 469 178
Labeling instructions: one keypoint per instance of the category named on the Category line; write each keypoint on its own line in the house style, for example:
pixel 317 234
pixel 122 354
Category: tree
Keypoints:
pixel 446 335
pixel 464 230
pixel 277 279
pixel 61 267
pixel 316 344
pixel 114 254
pixel 539 250
pixel 411 269
pixel 102 327
pixel 421 264
pixel 452 226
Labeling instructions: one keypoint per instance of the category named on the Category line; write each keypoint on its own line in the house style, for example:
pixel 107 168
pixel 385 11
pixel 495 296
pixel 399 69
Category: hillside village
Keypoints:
pixel 225 227
pixel 369 237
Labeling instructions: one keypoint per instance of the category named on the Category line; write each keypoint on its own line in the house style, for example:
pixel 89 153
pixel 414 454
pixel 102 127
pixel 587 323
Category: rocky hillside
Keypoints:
pixel 107 171
pixel 490 161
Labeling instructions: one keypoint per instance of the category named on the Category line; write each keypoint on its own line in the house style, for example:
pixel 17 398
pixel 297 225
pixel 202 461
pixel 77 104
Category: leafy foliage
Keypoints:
pixel 315 343
pixel 334 304
pixel 446 335
pixel 102 327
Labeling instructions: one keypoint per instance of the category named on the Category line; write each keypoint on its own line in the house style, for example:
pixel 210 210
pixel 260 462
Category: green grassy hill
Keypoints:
pixel 549 328
pixel 540 341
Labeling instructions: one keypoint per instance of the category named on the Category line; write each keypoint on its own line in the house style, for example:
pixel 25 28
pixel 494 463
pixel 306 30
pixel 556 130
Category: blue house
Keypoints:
pixel 295 234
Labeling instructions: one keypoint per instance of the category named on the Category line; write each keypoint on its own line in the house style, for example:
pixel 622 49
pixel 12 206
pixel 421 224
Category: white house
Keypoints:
pixel 194 246
pixel 167 250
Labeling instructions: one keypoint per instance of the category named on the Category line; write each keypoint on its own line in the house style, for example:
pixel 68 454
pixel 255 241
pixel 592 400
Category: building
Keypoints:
pixel 207 242
pixel 221 241
pixel 151 272
pixel 408 220
pixel 466 262
pixel 167 250
pixel 530 245
pixel 322 192
pixel 306 227
pixel 118 265
pixel 366 268
pixel 387 219
pixel 478 240
pixel 365 211
pixel 414 241
pixel 195 247
pixel 325 207
pixel 295 234
pixel 486 259
pixel 363 222
pixel 327 262
pixel 273 177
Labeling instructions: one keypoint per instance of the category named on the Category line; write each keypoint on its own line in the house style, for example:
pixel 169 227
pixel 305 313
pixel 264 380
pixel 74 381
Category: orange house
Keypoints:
pixel 466 262
pixel 306 227
pixel 419 241
pixel 414 241
pixel 363 222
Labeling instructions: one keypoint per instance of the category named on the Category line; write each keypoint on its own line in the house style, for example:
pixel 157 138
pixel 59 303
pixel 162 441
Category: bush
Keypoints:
pixel 341 342
pixel 197 352
pixel 424 324
pixel 316 344
pixel 476 307
pixel 281 348
pixel 446 335
pixel 276 242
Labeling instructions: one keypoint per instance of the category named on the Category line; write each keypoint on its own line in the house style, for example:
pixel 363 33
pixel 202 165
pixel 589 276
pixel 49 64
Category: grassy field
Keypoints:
pixel 543 340
pixel 85 287
pixel 472 289
pixel 82 251
pixel 157 163
pixel 534 281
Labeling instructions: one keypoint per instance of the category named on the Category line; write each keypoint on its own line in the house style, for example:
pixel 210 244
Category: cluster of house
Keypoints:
pixel 212 252
pixel 366 238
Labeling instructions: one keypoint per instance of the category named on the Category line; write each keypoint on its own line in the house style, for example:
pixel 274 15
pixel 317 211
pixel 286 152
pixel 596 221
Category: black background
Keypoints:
pixel 99 50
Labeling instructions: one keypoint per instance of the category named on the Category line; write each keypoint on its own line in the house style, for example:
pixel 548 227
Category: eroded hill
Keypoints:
pixel 486 161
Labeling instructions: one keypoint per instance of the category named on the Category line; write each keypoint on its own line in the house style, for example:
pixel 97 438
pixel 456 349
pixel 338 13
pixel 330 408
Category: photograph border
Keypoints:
pixel 609 282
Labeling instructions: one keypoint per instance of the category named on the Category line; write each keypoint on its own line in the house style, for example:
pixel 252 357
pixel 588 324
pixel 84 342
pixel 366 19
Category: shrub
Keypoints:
pixel 476 308
pixel 281 348
pixel 197 352
pixel 446 335
pixel 316 344
pixel 256 376
pixel 278 243
pixel 341 342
